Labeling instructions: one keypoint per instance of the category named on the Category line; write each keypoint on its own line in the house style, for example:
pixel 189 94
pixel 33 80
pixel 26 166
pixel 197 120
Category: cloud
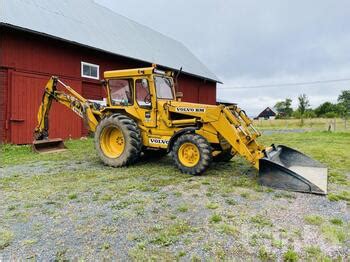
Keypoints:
pixel 256 42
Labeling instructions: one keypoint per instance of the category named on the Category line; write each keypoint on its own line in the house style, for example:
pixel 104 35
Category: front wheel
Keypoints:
pixel 192 154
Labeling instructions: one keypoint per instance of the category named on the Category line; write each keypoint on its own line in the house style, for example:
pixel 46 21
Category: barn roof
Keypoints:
pixel 267 112
pixel 86 23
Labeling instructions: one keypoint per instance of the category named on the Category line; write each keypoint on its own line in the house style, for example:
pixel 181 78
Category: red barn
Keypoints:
pixel 78 40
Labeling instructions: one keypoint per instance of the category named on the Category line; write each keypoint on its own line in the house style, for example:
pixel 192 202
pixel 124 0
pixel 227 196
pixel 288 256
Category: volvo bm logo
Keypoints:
pixel 190 110
pixel 158 141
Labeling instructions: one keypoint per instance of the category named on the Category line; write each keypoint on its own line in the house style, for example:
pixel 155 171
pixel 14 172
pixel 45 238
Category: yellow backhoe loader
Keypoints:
pixel 143 113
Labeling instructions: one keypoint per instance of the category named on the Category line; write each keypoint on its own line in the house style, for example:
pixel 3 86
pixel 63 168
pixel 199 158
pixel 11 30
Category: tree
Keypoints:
pixel 344 101
pixel 304 104
pixel 327 108
pixel 284 108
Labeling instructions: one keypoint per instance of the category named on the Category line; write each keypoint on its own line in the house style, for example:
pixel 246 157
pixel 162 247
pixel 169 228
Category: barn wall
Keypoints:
pixel 31 57
pixel 3 108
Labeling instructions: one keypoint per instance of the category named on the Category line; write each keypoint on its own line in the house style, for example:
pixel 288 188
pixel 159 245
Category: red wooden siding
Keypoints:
pixel 28 60
pixel 26 94
pixel 3 104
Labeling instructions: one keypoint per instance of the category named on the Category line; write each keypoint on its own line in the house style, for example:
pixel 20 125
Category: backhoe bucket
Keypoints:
pixel 49 146
pixel 289 169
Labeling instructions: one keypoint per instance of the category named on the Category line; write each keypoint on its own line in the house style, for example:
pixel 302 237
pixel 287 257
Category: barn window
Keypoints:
pixel 90 70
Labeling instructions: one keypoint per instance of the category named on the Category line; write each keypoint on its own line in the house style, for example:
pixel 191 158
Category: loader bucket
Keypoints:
pixel 48 146
pixel 288 169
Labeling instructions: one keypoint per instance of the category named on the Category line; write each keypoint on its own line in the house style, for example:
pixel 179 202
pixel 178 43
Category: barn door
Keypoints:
pixel 26 93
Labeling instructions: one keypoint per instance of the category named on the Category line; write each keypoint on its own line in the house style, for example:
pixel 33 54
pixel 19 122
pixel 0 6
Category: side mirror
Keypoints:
pixel 179 95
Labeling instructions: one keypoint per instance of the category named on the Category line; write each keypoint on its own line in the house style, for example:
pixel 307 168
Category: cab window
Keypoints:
pixel 120 90
pixel 164 87
pixel 143 95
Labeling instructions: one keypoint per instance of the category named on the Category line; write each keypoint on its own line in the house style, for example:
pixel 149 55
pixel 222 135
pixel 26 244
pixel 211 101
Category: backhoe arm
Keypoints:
pixel 73 100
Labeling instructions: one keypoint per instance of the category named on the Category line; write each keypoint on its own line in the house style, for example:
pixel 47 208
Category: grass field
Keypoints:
pixel 69 206
pixel 311 124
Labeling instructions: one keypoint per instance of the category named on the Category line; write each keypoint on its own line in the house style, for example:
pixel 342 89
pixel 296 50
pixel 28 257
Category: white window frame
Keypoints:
pixel 92 65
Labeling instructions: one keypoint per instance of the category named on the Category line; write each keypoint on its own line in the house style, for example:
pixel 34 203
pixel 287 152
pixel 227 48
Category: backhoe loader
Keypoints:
pixel 143 113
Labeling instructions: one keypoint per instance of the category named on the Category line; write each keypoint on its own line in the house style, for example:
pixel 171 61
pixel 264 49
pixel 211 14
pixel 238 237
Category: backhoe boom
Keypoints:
pixel 73 100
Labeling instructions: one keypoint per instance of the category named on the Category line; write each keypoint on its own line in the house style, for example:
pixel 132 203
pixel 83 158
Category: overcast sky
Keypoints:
pixel 253 42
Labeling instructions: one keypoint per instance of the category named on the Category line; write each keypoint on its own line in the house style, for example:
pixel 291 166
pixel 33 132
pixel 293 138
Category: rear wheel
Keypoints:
pixel 118 141
pixel 192 154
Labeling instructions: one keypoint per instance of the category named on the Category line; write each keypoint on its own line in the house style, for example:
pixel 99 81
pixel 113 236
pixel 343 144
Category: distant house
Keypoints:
pixel 268 113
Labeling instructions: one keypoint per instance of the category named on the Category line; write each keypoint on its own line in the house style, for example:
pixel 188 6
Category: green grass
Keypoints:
pixel 315 124
pixel 264 255
pixel 334 233
pixel 170 234
pixel 313 220
pixel 215 218
pixel 228 229
pixel 261 221
pixel 212 205
pixel 182 208
pixel 6 237
pixel 290 255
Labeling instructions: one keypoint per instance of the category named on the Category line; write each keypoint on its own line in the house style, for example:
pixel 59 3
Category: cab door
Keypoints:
pixel 145 103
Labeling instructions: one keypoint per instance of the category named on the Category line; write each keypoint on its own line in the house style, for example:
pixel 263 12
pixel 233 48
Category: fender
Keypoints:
pixel 185 130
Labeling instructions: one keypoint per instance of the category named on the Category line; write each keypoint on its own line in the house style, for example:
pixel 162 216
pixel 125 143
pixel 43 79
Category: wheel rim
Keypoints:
pixel 189 154
pixel 112 141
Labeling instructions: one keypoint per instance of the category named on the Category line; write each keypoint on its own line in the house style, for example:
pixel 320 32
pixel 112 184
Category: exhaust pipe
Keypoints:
pixel 48 146
pixel 288 169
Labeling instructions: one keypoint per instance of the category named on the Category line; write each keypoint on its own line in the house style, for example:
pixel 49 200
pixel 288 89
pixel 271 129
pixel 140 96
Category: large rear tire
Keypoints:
pixel 118 141
pixel 192 154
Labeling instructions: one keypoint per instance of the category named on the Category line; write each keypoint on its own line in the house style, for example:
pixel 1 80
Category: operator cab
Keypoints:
pixel 127 87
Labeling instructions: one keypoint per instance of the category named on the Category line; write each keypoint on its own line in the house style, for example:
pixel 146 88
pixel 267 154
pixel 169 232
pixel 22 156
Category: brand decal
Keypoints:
pixel 190 110
pixel 158 141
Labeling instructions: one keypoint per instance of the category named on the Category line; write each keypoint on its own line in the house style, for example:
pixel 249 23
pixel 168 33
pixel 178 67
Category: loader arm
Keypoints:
pixel 237 129
pixel 71 99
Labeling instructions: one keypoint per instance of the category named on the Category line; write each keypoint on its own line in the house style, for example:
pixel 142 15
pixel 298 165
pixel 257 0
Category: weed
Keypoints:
pixel 264 255
pixel 182 208
pixel 277 243
pixel 228 229
pixel 344 195
pixel 215 218
pixel 170 235
pixel 72 196
pixel 290 255
pixel 313 220
pixel 212 205
pixel 6 238
pixel 314 253
pixel 333 233
pixel 338 178
pixel 231 202
pixel 261 221
pixel 282 194
pixel 336 221
pixel 105 246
